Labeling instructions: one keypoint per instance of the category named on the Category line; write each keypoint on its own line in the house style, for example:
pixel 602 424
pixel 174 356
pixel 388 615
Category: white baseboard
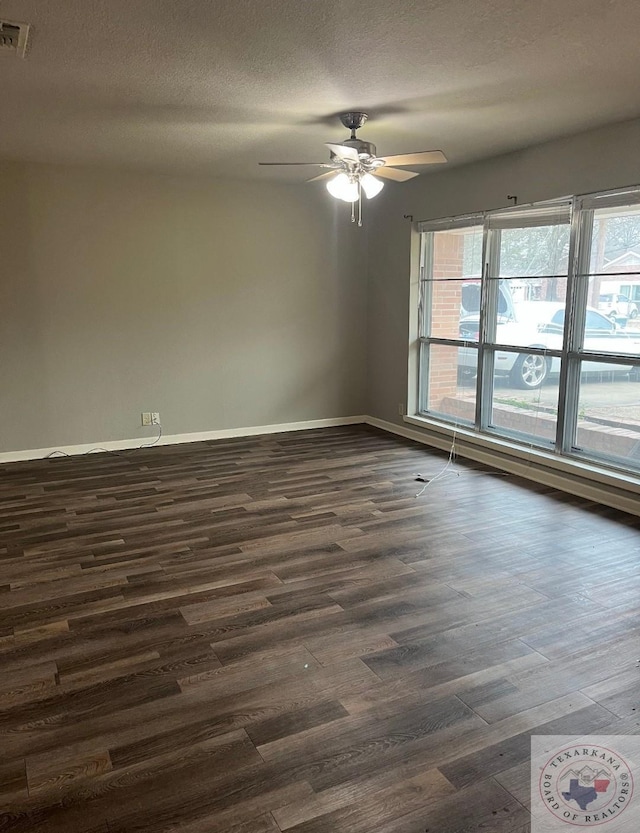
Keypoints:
pixel 175 439
pixel 618 493
pixel 615 493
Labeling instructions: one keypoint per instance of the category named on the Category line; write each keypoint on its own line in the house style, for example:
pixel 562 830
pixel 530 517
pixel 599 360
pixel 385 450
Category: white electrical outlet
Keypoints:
pixel 146 418
pixel 155 418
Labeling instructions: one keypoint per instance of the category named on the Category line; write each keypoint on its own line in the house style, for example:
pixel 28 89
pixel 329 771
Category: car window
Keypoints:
pixel 553 325
pixel 595 321
pixel 471 299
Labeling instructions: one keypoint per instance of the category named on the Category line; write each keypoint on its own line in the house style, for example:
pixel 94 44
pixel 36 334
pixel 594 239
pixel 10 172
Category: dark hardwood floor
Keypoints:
pixel 273 633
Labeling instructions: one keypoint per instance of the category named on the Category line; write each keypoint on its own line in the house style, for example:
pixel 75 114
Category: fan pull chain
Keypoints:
pixel 353 212
pixel 359 204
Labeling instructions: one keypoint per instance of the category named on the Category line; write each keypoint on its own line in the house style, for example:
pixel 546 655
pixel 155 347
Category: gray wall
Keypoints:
pixel 599 160
pixel 228 304
pixel 219 304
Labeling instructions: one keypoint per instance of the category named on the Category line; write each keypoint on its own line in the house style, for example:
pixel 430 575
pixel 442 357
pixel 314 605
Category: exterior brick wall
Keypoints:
pixel 445 315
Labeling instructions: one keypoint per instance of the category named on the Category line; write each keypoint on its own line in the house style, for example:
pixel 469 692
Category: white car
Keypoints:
pixel 616 306
pixel 541 324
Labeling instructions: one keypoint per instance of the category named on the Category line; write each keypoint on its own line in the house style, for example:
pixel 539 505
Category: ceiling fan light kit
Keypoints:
pixel 343 187
pixel 355 168
pixel 371 186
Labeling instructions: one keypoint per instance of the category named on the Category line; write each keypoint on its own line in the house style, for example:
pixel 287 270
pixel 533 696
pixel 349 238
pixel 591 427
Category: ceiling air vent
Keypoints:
pixel 13 38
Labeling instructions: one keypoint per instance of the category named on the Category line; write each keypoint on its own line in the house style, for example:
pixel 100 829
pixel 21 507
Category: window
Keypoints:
pixel 449 320
pixel 528 327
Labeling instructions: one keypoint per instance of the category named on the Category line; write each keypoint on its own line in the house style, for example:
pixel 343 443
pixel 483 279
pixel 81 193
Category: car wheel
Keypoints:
pixel 633 313
pixel 613 316
pixel 529 371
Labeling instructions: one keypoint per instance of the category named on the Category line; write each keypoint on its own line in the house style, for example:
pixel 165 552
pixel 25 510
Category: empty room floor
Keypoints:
pixel 274 633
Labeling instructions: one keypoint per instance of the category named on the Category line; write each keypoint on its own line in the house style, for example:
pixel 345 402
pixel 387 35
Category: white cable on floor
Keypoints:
pixel 119 453
pixel 441 474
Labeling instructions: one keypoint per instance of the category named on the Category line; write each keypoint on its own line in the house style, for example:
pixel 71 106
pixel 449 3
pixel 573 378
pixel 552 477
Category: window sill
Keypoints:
pixel 574 476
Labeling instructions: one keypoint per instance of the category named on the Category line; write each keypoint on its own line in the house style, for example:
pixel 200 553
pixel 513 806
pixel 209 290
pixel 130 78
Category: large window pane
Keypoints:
pixel 525 396
pixel 452 288
pixel 451 391
pixel 531 266
pixel 609 416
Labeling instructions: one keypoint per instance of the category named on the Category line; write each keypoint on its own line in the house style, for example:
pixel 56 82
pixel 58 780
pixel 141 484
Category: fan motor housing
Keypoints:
pixel 363 148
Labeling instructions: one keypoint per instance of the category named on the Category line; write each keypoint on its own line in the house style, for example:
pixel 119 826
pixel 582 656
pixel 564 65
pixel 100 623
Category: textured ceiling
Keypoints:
pixel 214 86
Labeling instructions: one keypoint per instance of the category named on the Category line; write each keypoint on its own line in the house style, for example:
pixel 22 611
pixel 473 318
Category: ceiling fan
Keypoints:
pixel 354 167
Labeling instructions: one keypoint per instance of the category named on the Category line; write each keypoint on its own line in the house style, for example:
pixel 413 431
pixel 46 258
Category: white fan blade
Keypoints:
pixel 319 164
pixel 393 173
pixel 326 175
pixel 343 152
pixel 426 157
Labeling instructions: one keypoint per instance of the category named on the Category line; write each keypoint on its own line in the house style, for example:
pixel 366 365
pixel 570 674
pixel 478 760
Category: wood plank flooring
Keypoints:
pixel 273 634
